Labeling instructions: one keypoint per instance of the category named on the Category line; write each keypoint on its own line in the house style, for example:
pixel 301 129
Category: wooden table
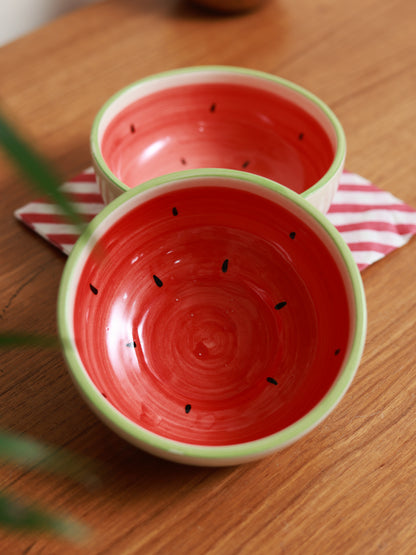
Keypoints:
pixel 350 485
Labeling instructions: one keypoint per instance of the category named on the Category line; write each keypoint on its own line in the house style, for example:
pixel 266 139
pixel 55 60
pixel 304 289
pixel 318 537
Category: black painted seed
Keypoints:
pixel 213 106
pixel 337 351
pixel 272 381
pixel 301 135
pixel 132 128
pixel 183 161
pixel 174 211
pixel 131 344
pixel 188 409
pixel 224 266
pixel 158 281
pixel 104 395
pixel 93 289
pixel 246 163
pixel 278 306
pixel 292 234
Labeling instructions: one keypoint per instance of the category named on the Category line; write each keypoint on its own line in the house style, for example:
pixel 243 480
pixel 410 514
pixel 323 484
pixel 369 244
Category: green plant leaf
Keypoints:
pixel 21 339
pixel 19 515
pixel 36 169
pixel 29 453
pixel 22 451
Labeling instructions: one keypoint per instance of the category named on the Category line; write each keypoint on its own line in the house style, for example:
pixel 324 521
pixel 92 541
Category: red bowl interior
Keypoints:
pixel 217 125
pixel 216 317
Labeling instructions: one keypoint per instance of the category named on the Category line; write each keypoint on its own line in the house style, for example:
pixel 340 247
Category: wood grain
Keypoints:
pixel 349 486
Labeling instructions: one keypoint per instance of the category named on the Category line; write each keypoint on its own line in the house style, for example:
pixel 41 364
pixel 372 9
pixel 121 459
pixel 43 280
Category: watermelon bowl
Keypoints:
pixel 218 117
pixel 211 318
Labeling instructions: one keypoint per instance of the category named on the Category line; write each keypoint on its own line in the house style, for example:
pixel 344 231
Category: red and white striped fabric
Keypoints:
pixel 373 222
pixel 45 218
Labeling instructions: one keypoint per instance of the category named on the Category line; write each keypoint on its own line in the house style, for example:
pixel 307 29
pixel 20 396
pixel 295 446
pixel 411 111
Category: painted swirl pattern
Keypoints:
pixel 210 320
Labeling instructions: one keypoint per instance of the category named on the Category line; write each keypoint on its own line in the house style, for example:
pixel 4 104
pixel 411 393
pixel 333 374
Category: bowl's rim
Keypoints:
pixel 340 153
pixel 191 453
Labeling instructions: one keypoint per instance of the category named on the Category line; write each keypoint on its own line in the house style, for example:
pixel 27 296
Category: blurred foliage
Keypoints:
pixel 18 515
pixel 21 451
pixel 35 169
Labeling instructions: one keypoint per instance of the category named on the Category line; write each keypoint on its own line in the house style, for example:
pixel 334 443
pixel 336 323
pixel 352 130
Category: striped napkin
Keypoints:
pixel 373 222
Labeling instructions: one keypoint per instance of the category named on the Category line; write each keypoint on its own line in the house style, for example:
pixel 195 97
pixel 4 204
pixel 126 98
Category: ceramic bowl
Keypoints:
pixel 211 318
pixel 222 117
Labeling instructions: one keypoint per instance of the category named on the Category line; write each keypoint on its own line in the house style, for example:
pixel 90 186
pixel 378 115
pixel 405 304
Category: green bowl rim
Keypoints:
pixel 335 166
pixel 190 452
